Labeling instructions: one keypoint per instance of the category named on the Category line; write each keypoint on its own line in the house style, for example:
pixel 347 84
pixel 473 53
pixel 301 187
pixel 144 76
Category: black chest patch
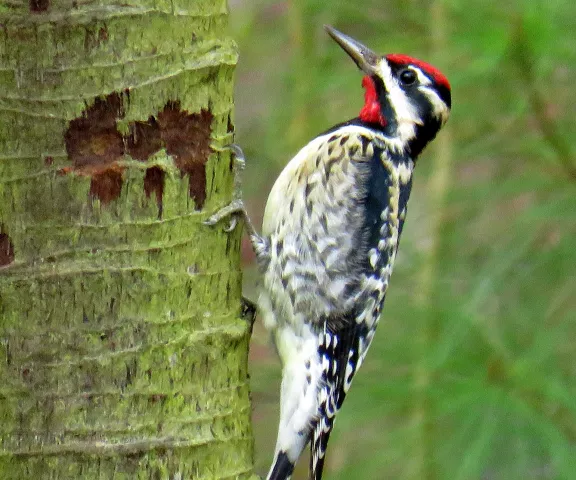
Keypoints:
pixel 384 215
pixel 377 198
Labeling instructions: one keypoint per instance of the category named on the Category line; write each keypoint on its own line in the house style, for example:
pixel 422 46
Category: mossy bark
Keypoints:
pixel 122 350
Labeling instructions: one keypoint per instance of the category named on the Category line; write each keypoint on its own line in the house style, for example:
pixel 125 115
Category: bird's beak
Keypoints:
pixel 365 58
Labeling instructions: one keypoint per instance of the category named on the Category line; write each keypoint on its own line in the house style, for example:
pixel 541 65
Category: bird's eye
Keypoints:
pixel 408 76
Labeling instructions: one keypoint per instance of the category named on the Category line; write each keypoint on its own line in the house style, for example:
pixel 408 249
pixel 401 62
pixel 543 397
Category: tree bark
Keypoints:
pixel 123 353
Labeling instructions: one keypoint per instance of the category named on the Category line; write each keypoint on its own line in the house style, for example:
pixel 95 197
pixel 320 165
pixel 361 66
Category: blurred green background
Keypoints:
pixel 472 372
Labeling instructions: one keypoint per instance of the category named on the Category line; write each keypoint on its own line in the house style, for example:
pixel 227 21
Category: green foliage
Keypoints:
pixel 471 375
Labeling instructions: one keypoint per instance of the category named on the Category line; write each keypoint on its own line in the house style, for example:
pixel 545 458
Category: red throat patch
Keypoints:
pixel 371 112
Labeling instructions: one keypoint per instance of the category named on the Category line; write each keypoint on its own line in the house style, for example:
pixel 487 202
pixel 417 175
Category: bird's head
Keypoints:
pixel 409 100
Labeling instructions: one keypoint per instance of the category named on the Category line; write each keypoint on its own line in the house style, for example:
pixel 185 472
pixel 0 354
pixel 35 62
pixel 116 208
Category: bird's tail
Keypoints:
pixel 282 468
pixel 321 434
pixel 318 446
pixel 341 359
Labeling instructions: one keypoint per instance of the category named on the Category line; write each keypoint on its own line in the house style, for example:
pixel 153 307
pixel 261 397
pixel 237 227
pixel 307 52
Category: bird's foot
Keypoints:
pixel 234 210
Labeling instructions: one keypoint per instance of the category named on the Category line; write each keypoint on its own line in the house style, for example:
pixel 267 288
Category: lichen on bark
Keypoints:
pixel 122 350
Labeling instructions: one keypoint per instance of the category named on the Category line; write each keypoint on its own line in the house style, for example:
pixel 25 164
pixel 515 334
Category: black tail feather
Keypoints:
pixel 282 469
pixel 318 447
pixel 339 351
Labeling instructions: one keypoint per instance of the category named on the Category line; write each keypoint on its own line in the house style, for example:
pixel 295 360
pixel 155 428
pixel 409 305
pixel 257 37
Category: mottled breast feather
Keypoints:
pixel 331 250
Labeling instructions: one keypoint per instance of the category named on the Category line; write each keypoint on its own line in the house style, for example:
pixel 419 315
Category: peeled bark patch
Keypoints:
pixel 93 139
pixel 144 139
pixel 107 185
pixel 187 139
pixel 95 145
pixel 6 250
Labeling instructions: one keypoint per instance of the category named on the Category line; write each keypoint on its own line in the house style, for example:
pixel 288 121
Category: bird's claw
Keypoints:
pixel 239 158
pixel 232 225
pixel 232 210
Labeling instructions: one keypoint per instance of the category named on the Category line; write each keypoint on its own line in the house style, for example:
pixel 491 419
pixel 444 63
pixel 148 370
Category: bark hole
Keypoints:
pixel 6 250
pixel 38 6
pixel 154 184
pixel 230 126
pixel 103 34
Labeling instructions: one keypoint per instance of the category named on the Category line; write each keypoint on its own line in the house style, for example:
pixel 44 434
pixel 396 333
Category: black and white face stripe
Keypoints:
pixel 415 110
pixel 437 95
pixel 403 116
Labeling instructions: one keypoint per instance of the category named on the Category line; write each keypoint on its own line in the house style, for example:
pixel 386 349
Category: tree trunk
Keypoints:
pixel 122 350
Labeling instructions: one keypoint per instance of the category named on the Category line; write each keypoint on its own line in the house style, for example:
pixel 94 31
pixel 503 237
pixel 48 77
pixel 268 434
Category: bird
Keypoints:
pixel 330 235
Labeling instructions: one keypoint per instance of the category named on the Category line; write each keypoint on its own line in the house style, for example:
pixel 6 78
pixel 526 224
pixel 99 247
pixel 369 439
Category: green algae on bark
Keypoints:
pixel 122 350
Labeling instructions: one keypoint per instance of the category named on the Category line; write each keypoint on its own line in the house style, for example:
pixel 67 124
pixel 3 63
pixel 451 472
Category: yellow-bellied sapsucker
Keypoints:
pixel 330 235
